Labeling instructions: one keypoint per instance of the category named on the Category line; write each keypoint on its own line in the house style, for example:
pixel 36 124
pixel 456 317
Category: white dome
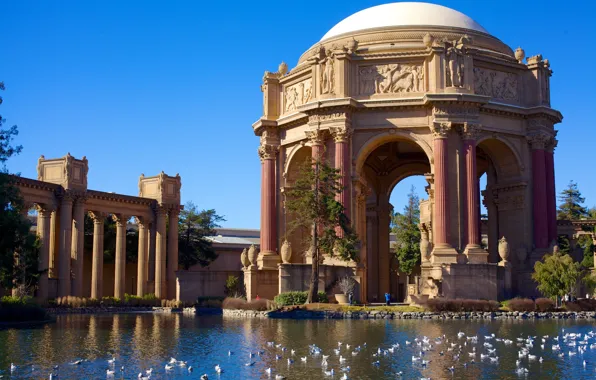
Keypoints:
pixel 403 14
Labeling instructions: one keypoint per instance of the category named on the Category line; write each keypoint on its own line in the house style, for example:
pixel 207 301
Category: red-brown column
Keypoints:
pixel 441 217
pixel 268 155
pixel 551 205
pixel 472 197
pixel 539 191
pixel 342 162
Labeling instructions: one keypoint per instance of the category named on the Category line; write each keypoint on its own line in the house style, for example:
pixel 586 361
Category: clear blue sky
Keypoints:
pixel 144 86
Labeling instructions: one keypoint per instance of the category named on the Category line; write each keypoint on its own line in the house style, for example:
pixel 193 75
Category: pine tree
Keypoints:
pixel 571 200
pixel 194 226
pixel 407 234
pixel 312 204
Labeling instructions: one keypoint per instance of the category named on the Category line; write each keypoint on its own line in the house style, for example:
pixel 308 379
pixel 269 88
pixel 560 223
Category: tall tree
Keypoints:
pixel 19 248
pixel 407 234
pixel 312 203
pixel 571 207
pixel 194 226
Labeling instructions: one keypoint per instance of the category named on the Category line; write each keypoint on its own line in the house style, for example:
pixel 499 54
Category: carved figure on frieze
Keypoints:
pixel 297 95
pixel 327 73
pixel 455 64
pixel 496 84
pixel 391 79
pixel 67 168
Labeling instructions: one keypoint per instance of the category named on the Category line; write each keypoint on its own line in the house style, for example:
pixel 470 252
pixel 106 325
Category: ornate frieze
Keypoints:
pixel 315 120
pixel 297 95
pixel 440 130
pixel 393 78
pixel 496 84
pixel 459 111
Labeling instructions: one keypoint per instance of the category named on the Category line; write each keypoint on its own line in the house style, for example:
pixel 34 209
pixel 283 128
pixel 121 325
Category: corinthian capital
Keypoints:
pixel 120 219
pixel 539 140
pixel 268 152
pixel 316 136
pixel 341 133
pixel 470 131
pixel 440 130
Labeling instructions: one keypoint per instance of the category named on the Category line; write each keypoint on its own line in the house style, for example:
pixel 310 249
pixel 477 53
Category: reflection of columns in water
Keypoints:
pixel 78 234
pixel 92 344
pixel 139 338
pixel 115 334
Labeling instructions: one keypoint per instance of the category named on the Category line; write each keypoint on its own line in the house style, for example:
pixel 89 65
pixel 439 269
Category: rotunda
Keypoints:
pixel 406 89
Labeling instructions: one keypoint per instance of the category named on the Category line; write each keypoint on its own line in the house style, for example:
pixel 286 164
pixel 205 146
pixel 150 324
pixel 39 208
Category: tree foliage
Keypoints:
pixel 407 234
pixel 311 202
pixel 19 248
pixel 109 241
pixel 194 226
pixel 556 275
pixel 571 207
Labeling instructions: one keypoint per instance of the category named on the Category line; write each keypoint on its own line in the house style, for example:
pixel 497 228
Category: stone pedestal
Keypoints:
pixel 263 283
pixel 268 260
pixel 475 254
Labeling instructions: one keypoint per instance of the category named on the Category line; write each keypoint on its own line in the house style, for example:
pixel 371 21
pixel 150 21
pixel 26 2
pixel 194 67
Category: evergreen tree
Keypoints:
pixel 19 248
pixel 312 204
pixel 571 200
pixel 194 226
pixel 407 234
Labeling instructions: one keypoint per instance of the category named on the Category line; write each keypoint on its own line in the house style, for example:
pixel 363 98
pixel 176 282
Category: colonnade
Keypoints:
pixel 61 231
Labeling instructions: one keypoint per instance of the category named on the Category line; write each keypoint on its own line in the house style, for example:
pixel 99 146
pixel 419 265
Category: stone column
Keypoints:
pixel 172 252
pixel 443 252
pixel 78 235
pixel 268 257
pixel 120 264
pixel 43 231
pixel 160 253
pixel 384 255
pixel 537 142
pixel 551 196
pixel 341 136
pixel 65 245
pixel 151 256
pixel 97 263
pixel 142 258
pixel 475 254
pixel 52 271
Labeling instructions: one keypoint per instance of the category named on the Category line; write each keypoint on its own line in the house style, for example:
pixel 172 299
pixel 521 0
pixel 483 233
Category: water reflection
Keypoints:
pixel 142 341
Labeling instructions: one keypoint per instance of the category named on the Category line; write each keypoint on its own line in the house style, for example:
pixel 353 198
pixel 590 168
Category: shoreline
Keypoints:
pixel 373 314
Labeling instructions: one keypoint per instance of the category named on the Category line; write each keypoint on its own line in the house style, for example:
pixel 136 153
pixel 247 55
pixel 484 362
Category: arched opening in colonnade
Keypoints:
pixel 382 165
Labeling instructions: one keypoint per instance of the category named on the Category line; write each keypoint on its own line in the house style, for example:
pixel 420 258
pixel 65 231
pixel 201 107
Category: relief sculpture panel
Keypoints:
pixel 496 84
pixel 392 78
pixel 297 95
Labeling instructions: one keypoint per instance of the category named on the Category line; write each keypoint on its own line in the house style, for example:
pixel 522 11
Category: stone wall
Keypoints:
pixel 191 284
pixel 296 277
pixel 475 281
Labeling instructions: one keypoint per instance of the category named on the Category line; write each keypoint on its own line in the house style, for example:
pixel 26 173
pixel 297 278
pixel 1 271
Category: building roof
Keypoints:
pixel 403 14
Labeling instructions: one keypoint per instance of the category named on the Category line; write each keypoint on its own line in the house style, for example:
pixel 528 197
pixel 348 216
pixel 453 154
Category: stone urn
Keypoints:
pixel 520 54
pixel 503 249
pixel 252 255
pixel 286 252
pixel 427 40
pixel 244 258
pixel 425 247
pixel 341 298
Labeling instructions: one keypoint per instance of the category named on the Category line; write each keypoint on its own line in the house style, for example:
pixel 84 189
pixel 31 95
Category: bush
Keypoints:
pixel 581 305
pixel 297 298
pixel 21 309
pixel 545 304
pixel 241 304
pixel 459 305
pixel 521 304
pixel 234 288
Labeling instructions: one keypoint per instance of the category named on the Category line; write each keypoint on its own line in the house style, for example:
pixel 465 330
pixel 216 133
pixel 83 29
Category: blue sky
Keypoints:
pixel 144 86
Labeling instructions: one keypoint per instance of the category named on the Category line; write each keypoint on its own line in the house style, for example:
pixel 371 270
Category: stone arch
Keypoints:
pixel 507 160
pixel 393 135
pixel 296 156
pixel 410 170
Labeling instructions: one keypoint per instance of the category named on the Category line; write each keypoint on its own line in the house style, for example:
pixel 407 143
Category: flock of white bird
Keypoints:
pixel 464 350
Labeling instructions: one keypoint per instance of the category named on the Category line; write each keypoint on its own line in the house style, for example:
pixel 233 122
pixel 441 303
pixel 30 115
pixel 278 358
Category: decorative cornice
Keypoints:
pixel 440 130
pixel 101 195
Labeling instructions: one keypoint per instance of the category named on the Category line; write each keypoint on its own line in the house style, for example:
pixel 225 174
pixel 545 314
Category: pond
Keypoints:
pixel 139 342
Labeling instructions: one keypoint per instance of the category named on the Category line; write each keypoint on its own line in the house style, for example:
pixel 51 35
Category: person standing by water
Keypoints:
pixel 387 299
pixel 350 297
